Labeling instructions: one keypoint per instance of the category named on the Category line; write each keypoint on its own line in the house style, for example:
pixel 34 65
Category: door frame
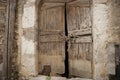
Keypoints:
pixel 9 32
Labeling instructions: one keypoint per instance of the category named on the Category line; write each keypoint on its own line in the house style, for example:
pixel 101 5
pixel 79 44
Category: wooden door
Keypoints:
pixel 51 38
pixel 80 38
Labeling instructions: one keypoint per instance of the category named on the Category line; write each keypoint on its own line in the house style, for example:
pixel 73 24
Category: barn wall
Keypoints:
pixel 106 33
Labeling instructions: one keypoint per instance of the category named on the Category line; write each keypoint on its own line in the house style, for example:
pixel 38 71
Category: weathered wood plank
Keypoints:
pixel 9 31
pixel 71 18
pixel 51 44
pixel 80 32
pixel 52 54
pixel 82 39
pixel 3 3
pixel 2 8
pixel 53 19
pixel 2 39
pixel 79 20
pixel 51 5
pixel 52 38
pixel 79 3
pixel 80 57
pixel 57 32
pixel 57 1
pixel 81 51
pixel 53 48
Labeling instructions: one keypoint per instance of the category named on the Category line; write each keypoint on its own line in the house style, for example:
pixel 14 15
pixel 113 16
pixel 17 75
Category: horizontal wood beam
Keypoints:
pixel 3 2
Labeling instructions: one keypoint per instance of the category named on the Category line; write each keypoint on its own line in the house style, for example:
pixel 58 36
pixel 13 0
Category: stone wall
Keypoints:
pixel 15 52
pixel 27 41
pixel 106 31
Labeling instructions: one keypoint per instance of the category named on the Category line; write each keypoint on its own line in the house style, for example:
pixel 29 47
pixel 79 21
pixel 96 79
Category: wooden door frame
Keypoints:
pixel 9 32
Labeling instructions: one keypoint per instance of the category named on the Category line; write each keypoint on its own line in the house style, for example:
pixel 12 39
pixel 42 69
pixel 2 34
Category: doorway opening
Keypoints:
pixel 65 39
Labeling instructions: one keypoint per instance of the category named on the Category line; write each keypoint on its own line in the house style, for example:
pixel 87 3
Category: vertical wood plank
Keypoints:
pixel 2 34
pixel 79 24
pixel 52 47
pixel 10 22
pixel 5 56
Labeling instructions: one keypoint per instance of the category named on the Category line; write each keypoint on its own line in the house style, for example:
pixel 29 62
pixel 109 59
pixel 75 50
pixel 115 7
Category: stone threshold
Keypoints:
pixel 41 77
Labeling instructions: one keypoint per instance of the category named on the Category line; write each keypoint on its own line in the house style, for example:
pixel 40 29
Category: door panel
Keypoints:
pixel 51 38
pixel 80 34
pixel 79 20
pixel 80 57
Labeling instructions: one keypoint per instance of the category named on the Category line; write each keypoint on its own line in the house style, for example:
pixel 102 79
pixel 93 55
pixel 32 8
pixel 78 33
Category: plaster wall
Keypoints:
pixel 27 44
pixel 106 31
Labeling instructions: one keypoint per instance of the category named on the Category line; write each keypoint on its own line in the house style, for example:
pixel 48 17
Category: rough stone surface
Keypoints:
pixel 106 30
pixel 26 24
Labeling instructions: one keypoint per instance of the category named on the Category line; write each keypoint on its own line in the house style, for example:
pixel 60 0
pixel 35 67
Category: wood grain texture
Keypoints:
pixel 80 57
pixel 57 1
pixel 2 39
pixel 79 20
pixel 80 31
pixel 81 39
pixel 9 33
pixel 51 37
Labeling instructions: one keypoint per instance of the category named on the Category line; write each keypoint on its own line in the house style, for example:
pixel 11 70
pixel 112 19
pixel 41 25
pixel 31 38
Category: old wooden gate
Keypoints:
pixel 52 43
pixel 80 33
pixel 65 29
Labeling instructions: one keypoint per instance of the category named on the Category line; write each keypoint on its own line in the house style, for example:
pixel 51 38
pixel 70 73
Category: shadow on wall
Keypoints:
pixel 117 64
pixel 117 58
